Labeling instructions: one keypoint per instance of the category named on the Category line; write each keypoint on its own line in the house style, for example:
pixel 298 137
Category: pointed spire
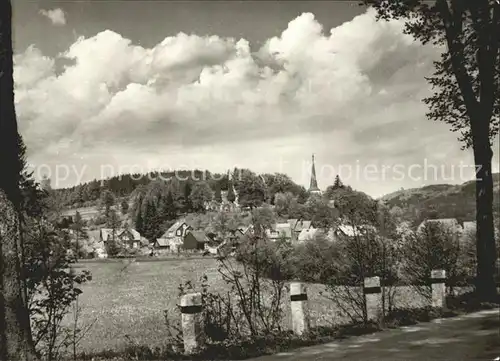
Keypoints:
pixel 313 187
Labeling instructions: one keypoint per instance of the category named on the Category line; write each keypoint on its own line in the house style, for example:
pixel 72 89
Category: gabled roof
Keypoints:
pixel 351 231
pixel 200 236
pixel 292 222
pixel 448 222
pixel 173 228
pixel 302 224
pixel 307 234
pixel 94 235
pixel 280 230
pixel 469 226
pixel 108 233
pixel 247 229
pixel 162 242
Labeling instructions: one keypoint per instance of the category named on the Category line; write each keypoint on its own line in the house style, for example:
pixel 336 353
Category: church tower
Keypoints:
pixel 313 186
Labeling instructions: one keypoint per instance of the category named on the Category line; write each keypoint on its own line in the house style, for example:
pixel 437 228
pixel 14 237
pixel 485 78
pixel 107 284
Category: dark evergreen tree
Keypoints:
pixel 169 211
pixel 139 222
pixel 337 184
pixel 231 196
pixel 124 206
pixel 188 205
pixel 218 193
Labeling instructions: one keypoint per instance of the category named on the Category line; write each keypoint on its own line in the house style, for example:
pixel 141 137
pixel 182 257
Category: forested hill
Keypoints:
pixel 440 201
pixel 124 186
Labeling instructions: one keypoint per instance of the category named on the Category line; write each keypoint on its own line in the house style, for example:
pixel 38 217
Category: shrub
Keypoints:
pixel 52 285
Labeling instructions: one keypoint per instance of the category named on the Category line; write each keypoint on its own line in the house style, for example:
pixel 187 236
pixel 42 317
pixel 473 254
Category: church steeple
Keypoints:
pixel 313 186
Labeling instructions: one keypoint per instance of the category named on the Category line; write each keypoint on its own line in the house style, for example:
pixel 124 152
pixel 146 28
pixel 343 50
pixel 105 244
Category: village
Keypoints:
pixel 186 238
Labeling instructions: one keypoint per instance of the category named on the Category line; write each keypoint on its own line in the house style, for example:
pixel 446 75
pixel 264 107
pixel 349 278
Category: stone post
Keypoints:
pixel 438 279
pixel 373 297
pixel 192 323
pixel 300 314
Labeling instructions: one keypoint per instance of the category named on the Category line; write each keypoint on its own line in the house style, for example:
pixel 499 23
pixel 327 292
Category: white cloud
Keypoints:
pixel 210 98
pixel 56 16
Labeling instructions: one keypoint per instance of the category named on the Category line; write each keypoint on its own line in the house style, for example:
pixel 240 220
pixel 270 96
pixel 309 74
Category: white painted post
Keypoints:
pixel 438 279
pixel 373 297
pixel 192 323
pixel 300 314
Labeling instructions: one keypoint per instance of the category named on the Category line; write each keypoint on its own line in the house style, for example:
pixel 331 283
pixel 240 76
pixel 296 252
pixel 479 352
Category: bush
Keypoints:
pixel 433 247
pixel 52 286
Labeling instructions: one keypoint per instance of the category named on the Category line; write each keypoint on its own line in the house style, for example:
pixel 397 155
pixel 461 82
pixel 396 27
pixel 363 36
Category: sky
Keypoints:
pixel 111 87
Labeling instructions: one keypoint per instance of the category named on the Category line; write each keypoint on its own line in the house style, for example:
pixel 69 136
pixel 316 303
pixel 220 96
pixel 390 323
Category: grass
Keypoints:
pixel 126 300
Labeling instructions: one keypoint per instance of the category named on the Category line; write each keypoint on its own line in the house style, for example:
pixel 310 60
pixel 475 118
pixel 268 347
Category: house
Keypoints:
pixel 128 237
pixel 448 223
pixel 280 231
pixel 173 237
pixel 161 244
pixel 247 231
pixel 195 240
pixel 468 232
pixel 469 226
pixel 307 234
pixel 300 225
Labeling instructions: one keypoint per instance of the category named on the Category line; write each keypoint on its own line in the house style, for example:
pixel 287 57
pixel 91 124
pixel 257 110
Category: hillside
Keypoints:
pixel 440 201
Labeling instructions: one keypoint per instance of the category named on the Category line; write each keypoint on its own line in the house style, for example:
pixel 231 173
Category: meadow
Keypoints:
pixel 125 301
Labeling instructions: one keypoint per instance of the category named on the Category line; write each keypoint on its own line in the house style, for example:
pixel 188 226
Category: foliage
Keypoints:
pixel 466 85
pixel 284 203
pixel 200 195
pixel 231 196
pixel 433 247
pixel 315 261
pixel 251 189
pixel 218 193
pixel 263 218
pixel 107 201
pixel 52 285
pixel 124 206
pixel 113 248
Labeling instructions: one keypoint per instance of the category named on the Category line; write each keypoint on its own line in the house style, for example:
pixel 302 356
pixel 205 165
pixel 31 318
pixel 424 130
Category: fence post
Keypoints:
pixel 438 279
pixel 300 314
pixel 373 298
pixel 192 323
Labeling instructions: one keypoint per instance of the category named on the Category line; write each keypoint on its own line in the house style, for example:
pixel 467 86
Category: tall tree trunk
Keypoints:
pixel 485 245
pixel 15 332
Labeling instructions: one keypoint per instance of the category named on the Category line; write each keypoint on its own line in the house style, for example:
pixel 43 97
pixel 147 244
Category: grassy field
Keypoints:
pixel 127 300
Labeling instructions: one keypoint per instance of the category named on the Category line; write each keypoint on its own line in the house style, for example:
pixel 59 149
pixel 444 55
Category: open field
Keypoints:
pixel 128 299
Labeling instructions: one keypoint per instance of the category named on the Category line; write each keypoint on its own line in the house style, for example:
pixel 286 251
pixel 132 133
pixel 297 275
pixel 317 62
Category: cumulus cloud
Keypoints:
pixel 210 98
pixel 56 16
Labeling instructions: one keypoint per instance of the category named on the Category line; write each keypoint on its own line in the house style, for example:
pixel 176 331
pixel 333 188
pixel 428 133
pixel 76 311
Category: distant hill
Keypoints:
pixel 440 201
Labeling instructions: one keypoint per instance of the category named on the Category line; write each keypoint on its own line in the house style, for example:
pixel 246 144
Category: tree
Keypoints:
pixel 15 335
pixel 466 95
pixel 263 218
pixel 218 193
pixel 188 205
pixel 107 201
pixel 251 190
pixel 169 208
pixel 200 195
pixel 231 197
pixel 139 222
pixel 283 202
pixel 112 246
pixel 337 183
pixel 77 227
pixel 124 206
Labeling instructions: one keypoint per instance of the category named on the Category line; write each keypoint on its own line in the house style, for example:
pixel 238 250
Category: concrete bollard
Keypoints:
pixel 373 297
pixel 438 279
pixel 192 323
pixel 300 314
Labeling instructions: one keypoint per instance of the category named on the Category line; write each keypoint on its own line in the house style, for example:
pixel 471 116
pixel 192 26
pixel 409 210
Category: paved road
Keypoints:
pixel 471 337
